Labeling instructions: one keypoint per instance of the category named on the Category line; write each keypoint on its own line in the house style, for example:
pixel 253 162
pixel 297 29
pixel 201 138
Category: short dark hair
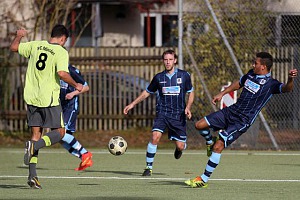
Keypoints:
pixel 265 59
pixel 59 30
pixel 169 51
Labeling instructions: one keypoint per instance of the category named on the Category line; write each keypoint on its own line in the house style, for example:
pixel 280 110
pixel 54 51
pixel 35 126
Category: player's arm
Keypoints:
pixel 234 86
pixel 76 92
pixel 290 83
pixel 14 46
pixel 188 107
pixel 140 98
pixel 65 76
pixel 76 75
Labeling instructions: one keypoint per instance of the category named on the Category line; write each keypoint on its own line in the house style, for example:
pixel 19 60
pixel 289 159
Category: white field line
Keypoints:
pixel 166 152
pixel 147 178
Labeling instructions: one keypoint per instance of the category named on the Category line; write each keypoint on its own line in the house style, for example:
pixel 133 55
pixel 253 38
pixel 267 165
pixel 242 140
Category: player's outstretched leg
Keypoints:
pixel 74 147
pixel 201 181
pixel 196 182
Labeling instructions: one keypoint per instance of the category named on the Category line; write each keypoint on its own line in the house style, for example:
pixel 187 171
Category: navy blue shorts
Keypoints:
pixel 230 127
pixel 70 116
pixel 177 128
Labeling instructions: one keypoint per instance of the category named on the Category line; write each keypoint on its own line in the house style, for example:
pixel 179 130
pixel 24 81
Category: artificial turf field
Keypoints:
pixel 240 175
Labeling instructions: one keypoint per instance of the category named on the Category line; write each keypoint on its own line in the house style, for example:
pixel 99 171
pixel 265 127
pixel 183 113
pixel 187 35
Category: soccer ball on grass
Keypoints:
pixel 117 145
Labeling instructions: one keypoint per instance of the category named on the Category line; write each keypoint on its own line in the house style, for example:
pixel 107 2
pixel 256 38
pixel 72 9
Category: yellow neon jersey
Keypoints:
pixel 42 81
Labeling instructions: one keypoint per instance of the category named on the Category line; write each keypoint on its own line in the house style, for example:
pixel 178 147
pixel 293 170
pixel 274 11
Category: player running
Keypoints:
pixel 70 105
pixel 47 64
pixel 171 85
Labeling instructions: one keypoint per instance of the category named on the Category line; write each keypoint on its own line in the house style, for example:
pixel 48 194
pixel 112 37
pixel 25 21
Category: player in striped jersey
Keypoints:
pixel 47 64
pixel 70 105
pixel 231 122
pixel 171 85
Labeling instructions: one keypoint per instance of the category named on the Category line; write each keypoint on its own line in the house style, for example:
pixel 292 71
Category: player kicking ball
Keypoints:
pixel 231 122
pixel 70 105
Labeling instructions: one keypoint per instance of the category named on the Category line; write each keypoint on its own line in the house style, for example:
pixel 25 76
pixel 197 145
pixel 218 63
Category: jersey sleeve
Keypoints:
pixel 62 61
pixel 153 86
pixel 188 83
pixel 276 87
pixel 25 49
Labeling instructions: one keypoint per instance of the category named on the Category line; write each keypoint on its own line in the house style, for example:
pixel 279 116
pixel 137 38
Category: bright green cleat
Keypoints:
pixel 209 147
pixel 196 182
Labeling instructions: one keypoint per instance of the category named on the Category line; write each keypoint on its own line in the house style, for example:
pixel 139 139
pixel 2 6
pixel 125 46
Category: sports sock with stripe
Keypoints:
pixel 48 139
pixel 212 163
pixel 207 136
pixel 74 147
pixel 151 151
pixel 32 164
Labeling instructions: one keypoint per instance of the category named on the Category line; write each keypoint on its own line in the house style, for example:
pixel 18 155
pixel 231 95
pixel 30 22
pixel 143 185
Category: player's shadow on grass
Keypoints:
pixel 180 183
pixel 123 172
pixel 8 186
pixel 26 167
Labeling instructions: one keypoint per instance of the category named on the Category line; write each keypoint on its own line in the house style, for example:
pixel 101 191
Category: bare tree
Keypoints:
pixel 39 17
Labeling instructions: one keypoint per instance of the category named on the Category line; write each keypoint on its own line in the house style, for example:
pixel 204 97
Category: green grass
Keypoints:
pixel 240 175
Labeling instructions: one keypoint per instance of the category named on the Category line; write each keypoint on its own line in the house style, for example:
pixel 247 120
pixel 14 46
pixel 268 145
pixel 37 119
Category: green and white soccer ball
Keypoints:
pixel 117 145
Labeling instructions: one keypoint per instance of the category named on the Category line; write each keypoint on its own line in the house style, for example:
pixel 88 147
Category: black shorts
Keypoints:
pixel 48 117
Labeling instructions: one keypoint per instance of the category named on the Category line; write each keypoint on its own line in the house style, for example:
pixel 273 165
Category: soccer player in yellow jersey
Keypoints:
pixel 47 63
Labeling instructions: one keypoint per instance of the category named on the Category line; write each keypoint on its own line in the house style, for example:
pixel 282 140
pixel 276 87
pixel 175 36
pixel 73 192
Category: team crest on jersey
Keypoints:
pixel 179 80
pixel 251 86
pixel 262 81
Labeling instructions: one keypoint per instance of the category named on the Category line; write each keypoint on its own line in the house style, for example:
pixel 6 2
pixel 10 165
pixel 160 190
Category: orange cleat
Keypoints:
pixel 83 167
pixel 85 158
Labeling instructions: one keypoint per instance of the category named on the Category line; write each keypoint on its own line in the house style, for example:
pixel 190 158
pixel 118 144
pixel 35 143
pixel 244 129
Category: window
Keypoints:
pixel 169 30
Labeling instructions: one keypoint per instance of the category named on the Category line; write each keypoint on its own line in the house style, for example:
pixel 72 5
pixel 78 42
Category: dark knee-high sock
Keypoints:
pixel 32 165
pixel 47 140
pixel 207 135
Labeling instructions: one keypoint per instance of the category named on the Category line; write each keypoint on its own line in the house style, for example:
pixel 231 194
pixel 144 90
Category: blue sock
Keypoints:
pixel 151 151
pixel 207 135
pixel 71 150
pixel 72 145
pixel 212 163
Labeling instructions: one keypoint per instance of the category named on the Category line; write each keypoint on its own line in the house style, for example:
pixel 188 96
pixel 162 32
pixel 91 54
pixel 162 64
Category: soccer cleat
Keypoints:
pixel 147 172
pixel 209 147
pixel 29 150
pixel 34 183
pixel 196 182
pixel 85 158
pixel 177 153
pixel 83 167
